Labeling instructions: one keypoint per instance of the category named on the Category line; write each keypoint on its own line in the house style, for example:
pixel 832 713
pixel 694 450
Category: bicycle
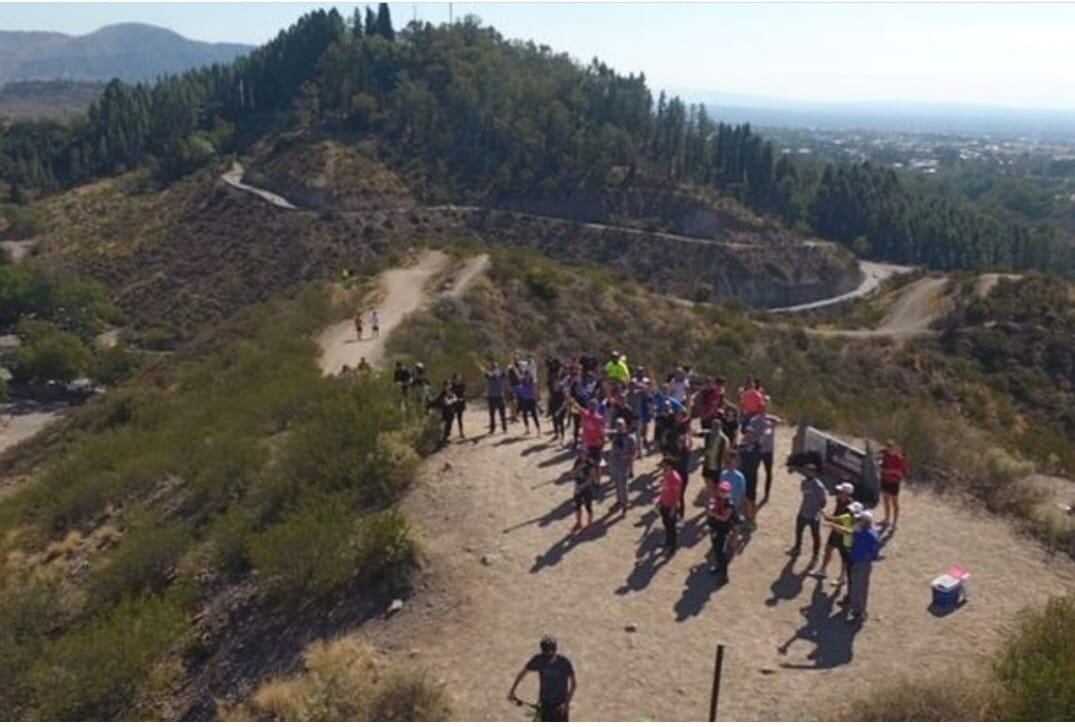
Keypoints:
pixel 532 708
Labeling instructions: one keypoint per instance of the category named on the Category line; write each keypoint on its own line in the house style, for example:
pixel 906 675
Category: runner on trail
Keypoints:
pixel 459 390
pixel 668 503
pixel 814 497
pixel 556 682
pixel 893 470
pixel 358 324
pixel 375 323
pixel 364 366
pixel 710 405
pixel 526 394
pixel 495 381
pixel 420 385
pixel 838 540
pixel 621 456
pixel 585 474
pixel 558 393
pixel 721 520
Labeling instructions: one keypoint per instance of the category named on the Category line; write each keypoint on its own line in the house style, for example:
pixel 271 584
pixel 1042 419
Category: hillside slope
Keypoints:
pixel 128 51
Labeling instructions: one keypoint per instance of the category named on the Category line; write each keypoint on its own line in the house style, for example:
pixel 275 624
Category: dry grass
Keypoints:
pixel 343 680
pixel 65 548
pixel 962 698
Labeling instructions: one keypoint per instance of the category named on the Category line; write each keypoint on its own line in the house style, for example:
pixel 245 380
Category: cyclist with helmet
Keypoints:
pixel 556 677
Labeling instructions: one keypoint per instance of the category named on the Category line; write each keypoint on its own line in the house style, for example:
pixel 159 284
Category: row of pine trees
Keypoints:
pixel 473 117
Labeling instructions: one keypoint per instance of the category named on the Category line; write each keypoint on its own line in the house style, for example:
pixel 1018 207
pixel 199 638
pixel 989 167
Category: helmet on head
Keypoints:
pixel 548 644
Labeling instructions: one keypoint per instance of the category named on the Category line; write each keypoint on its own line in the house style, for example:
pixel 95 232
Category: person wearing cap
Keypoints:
pixel 721 520
pixel 623 448
pixel 556 682
pixel 668 503
pixel 839 541
pixel 814 498
pixel 616 369
pixel 865 547
pixel 893 470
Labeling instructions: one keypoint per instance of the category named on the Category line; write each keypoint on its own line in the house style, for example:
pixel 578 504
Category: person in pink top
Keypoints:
pixel 592 430
pixel 668 503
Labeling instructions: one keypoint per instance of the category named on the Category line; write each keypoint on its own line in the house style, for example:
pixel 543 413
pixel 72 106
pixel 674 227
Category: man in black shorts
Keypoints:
pixel 557 682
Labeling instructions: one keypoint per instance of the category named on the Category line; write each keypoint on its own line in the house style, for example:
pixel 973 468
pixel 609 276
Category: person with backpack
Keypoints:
pixel 495 381
pixel 622 449
pixel 556 682
pixel 893 471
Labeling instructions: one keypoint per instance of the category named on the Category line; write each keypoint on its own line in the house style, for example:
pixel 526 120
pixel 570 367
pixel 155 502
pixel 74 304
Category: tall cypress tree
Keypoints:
pixel 384 22
pixel 371 23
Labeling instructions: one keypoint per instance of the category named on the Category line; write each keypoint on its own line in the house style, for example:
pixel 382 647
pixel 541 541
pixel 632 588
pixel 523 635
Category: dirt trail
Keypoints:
pixel 19 422
pixel 914 311
pixel 234 178
pixel 502 569
pixel 873 274
pixel 402 291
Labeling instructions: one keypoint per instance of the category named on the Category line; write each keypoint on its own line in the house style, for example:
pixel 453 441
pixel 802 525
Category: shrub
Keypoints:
pixel 92 671
pixel 387 551
pixel 49 354
pixel 310 553
pixel 141 563
pixel 1038 664
pixel 115 364
pixel 966 699
pixel 343 681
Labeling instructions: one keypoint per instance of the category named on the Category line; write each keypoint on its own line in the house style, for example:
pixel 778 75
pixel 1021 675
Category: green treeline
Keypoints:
pixel 471 117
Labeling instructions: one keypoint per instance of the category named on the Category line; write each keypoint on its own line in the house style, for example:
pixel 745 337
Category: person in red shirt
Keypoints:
pixel 668 503
pixel 893 470
pixel 751 399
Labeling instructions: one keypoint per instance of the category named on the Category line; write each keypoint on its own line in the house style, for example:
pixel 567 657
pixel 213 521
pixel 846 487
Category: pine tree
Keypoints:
pixel 371 23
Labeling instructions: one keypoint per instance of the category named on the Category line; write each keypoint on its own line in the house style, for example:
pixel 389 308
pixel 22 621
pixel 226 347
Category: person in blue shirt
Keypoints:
pixel 865 547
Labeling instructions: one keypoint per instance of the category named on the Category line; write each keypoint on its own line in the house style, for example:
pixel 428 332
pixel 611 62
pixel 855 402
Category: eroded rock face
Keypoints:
pixel 759 275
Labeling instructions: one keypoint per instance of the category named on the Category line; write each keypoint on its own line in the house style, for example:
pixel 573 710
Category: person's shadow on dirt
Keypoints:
pixel 594 531
pixel 788 584
pixel 697 590
pixel 560 458
pixel 541 447
pixel 560 512
pixel 833 636
pixel 650 558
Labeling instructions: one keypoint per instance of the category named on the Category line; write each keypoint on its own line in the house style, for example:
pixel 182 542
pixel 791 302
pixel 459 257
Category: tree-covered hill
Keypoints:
pixel 465 115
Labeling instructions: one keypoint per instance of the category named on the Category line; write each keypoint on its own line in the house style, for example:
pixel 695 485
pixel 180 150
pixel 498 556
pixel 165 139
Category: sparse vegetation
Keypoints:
pixel 1030 680
pixel 344 681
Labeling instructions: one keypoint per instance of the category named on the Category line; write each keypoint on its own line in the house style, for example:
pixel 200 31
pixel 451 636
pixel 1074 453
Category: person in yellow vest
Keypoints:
pixel 839 541
pixel 616 369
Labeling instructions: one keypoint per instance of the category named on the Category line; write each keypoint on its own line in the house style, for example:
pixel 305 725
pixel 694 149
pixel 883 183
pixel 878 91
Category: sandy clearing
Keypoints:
pixel 918 305
pixel 18 424
pixel 988 281
pixel 502 497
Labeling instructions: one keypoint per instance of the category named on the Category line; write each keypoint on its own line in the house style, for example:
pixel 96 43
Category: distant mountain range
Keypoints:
pixel 129 51
pixel 910 116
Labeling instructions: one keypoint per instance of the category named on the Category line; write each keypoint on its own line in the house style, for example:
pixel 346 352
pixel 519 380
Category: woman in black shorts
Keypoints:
pixel 583 473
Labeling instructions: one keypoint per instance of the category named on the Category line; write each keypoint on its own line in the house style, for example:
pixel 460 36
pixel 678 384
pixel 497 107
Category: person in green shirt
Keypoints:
pixel 717 445
pixel 839 540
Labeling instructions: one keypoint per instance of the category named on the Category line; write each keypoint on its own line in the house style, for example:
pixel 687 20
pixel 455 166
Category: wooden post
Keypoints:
pixel 715 696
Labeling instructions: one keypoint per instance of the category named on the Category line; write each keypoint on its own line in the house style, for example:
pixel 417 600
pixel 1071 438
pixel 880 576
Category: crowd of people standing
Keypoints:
pixel 613 414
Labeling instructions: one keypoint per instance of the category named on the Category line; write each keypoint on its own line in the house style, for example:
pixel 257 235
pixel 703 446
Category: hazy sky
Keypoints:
pixel 1018 55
